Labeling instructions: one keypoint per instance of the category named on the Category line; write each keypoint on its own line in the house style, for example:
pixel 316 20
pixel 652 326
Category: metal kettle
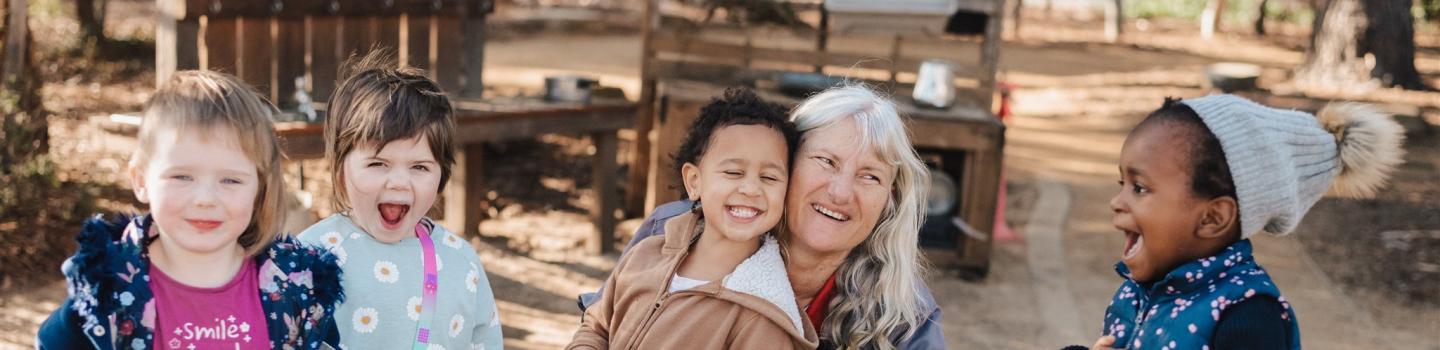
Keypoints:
pixel 935 84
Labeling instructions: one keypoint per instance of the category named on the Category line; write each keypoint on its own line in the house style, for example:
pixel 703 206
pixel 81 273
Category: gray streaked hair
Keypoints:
pixel 876 294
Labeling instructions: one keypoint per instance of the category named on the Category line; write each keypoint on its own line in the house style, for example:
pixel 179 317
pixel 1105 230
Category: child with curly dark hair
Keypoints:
pixel 718 279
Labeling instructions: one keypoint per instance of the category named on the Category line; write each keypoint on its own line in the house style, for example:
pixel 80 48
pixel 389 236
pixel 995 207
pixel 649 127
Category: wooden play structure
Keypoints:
pixel 686 63
pixel 271 43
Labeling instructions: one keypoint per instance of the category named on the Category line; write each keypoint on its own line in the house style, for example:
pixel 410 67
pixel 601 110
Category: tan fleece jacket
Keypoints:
pixel 751 308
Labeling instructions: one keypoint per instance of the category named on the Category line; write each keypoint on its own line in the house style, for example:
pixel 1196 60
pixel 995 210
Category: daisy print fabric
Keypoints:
pixel 1182 309
pixel 383 290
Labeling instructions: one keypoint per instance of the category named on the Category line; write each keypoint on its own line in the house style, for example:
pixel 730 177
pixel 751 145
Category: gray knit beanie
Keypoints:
pixel 1283 161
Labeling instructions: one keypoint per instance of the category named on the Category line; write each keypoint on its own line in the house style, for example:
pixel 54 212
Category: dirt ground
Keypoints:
pixel 1362 274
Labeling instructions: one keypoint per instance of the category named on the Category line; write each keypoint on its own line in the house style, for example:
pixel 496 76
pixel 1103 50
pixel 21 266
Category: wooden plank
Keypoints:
pixel 387 33
pixel 715 52
pixel 356 37
pixel 990 53
pixel 300 8
pixel 415 37
pixel 447 53
pixel 323 55
pixel 954 134
pixel 523 125
pixel 176 40
pixel 641 162
pixel 256 48
pixel 290 35
pixel 219 51
pixel 474 57
pixel 603 177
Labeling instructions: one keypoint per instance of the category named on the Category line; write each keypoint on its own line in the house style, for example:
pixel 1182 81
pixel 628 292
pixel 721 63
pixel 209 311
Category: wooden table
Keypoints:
pixel 496 119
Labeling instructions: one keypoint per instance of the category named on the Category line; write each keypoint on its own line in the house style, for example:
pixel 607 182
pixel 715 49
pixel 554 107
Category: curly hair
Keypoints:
pixel 738 106
pixel 1209 172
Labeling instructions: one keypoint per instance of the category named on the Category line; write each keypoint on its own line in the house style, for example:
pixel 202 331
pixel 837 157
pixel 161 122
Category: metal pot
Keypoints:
pixel 569 88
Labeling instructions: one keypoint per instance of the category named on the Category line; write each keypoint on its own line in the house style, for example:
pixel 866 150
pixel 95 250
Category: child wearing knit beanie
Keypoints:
pixel 1199 177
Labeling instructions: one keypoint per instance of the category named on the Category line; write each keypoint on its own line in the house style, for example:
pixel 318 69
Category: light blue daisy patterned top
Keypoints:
pixel 382 284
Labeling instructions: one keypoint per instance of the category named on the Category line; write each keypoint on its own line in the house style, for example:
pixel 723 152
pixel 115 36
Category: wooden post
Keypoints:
pixel 1013 12
pixel 464 194
pixel 895 60
pixel 176 37
pixel 474 27
pixel 641 162
pixel 603 214
pixel 323 55
pixel 982 179
pixel 990 54
pixel 822 39
pixel 256 47
pixel 449 39
pixel 15 43
pixel 415 38
pixel 289 34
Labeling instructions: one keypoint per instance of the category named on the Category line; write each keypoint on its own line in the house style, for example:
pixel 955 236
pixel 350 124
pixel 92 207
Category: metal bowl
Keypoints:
pixel 1232 76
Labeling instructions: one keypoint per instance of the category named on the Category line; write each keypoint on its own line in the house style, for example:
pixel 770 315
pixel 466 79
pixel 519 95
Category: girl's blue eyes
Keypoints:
pixel 380 164
pixel 227 181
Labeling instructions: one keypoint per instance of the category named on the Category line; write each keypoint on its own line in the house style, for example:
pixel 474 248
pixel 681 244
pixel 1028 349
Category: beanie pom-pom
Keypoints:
pixel 1370 147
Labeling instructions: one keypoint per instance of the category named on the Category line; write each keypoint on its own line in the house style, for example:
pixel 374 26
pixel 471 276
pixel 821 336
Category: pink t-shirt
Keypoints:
pixel 224 317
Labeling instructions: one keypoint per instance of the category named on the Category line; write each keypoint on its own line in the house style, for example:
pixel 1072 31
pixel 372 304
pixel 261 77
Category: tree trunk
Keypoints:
pixel 91 15
pixel 1362 44
pixel 24 132
pixel 1260 18
pixel 1210 18
pixel 1114 20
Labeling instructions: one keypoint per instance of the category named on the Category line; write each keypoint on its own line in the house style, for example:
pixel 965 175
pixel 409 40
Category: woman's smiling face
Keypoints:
pixel 838 189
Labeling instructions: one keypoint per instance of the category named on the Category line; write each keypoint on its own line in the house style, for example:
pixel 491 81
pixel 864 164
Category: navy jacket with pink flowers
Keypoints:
pixel 111 306
pixel 1202 305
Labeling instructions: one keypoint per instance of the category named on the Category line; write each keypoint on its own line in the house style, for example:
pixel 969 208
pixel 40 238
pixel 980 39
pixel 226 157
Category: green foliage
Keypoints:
pixel 1235 11
pixel 41 217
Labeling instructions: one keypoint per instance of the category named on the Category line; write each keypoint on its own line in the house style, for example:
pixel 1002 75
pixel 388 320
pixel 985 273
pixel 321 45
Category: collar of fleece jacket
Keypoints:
pixel 108 281
pixel 1181 310
pixel 761 275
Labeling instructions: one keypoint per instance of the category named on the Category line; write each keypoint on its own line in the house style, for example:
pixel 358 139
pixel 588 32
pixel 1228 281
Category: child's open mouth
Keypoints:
pixel 1133 240
pixel 391 214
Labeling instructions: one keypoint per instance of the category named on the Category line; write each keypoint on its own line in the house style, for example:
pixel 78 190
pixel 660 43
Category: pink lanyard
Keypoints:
pixel 427 302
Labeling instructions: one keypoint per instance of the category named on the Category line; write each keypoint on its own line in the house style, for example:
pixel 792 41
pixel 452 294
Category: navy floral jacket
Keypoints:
pixel 111 307
pixel 1182 309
